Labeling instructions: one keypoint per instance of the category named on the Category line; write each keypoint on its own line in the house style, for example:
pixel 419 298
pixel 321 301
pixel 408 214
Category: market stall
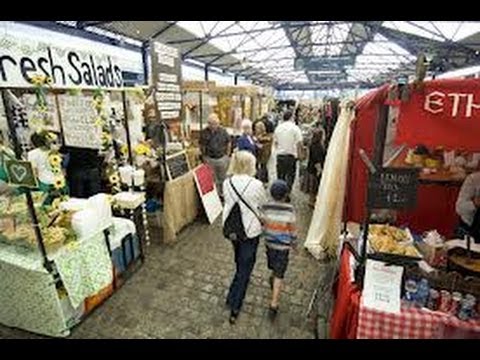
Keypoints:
pixel 63 255
pixel 404 275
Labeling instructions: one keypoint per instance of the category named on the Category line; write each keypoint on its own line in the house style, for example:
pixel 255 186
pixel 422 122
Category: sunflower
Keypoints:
pixel 98 103
pixel 36 80
pixel 52 136
pixel 59 183
pixel 142 149
pixel 99 121
pixel 110 199
pixel 48 81
pixel 55 160
pixel 56 203
pixel 42 108
pixel 106 137
pixel 56 170
pixel 124 150
pixel 114 179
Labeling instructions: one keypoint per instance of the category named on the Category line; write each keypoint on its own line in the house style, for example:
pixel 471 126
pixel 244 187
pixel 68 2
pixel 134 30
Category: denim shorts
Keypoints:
pixel 277 261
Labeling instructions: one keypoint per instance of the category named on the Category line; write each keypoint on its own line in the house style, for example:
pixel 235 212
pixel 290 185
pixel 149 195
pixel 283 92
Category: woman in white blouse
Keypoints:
pixel 242 171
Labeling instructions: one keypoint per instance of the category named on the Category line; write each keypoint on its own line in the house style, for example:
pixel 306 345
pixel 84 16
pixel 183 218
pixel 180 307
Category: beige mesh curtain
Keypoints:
pixel 325 227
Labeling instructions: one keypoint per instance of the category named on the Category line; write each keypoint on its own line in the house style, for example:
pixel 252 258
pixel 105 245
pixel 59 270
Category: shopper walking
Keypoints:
pixel 279 224
pixel 316 159
pixel 288 142
pixel 264 145
pixel 246 141
pixel 215 146
pixel 244 195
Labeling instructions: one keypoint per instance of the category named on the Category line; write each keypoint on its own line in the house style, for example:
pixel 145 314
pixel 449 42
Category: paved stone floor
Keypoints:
pixel 180 293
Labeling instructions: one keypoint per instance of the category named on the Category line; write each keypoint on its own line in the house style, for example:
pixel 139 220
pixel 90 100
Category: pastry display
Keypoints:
pixel 391 240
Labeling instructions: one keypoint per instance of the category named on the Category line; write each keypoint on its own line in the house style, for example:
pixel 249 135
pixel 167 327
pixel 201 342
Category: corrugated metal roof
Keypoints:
pixel 372 51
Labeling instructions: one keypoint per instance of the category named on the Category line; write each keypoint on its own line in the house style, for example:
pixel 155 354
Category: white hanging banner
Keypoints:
pixel 22 58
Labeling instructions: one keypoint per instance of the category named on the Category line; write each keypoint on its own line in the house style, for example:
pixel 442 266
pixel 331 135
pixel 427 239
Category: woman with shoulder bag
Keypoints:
pixel 244 195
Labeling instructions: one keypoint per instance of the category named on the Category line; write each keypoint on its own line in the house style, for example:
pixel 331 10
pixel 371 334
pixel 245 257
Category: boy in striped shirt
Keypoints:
pixel 279 233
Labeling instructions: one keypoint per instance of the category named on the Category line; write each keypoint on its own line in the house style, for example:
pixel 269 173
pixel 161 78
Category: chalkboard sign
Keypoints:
pixel 177 165
pixel 393 188
pixel 20 173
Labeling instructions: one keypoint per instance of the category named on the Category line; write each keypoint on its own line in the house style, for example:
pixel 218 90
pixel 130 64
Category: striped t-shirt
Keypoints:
pixel 279 224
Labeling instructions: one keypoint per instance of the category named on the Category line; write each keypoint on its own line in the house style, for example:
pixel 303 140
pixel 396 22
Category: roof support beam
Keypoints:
pixel 204 42
pixel 161 31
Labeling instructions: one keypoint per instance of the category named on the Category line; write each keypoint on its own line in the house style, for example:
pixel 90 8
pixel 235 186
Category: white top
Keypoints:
pixel 470 189
pixel 286 137
pixel 253 192
pixel 39 159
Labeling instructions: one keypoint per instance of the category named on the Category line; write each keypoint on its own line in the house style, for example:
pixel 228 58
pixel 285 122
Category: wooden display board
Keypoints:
pixel 166 72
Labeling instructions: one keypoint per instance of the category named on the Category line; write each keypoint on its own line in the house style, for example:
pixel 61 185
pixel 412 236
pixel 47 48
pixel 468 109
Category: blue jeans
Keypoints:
pixel 245 256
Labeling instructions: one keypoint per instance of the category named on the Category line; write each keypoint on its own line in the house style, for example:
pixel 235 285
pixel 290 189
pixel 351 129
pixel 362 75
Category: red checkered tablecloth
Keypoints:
pixel 411 323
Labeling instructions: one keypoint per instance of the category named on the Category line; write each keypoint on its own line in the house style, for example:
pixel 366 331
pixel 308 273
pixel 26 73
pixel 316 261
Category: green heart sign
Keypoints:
pixel 20 173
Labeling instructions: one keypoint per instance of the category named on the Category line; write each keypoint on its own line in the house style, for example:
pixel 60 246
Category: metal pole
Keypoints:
pixel 346 207
pixel 18 154
pixel 235 80
pixel 127 128
pixel 206 72
pixel 145 62
pixel 200 94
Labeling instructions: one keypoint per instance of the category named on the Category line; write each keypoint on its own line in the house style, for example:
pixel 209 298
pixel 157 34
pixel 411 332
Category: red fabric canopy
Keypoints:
pixel 362 137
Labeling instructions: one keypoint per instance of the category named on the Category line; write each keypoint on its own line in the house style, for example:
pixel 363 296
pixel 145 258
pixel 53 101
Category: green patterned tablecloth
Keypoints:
pixel 85 268
pixel 28 297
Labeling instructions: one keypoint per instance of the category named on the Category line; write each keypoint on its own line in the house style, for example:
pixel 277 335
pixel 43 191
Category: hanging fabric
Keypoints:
pixel 322 238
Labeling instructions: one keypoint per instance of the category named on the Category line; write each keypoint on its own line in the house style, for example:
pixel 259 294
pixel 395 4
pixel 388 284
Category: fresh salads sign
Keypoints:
pixel 21 59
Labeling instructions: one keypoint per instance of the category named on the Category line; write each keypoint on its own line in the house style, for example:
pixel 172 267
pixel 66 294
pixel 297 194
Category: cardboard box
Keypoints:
pixel 95 300
pixel 435 256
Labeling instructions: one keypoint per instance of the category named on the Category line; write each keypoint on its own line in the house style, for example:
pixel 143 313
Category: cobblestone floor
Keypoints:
pixel 180 293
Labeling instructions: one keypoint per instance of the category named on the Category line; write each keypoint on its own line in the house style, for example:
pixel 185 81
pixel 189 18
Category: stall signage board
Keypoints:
pixel 69 67
pixel 382 287
pixel 323 63
pixel 441 113
pixel 20 173
pixel 177 165
pixel 167 80
pixel 78 121
pixel 393 188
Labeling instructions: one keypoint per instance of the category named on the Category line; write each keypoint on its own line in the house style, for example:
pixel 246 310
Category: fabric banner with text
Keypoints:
pixel 442 113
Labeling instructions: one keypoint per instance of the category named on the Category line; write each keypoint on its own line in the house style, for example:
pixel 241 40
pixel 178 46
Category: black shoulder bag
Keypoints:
pixel 233 228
